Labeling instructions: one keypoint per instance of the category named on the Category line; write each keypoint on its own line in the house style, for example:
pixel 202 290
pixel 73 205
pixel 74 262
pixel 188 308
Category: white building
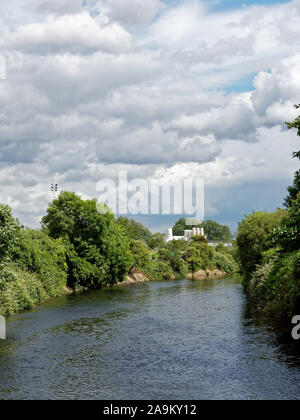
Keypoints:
pixel 188 234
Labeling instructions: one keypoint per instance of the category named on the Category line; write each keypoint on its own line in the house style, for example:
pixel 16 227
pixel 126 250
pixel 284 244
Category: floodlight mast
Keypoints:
pixel 54 189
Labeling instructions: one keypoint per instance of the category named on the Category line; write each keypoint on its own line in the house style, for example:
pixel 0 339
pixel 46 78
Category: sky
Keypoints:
pixel 162 89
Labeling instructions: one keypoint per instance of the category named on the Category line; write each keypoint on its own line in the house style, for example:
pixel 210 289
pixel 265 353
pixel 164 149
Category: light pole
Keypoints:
pixel 54 189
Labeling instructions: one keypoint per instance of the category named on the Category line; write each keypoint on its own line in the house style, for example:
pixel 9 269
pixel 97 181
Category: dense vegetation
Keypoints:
pixel 268 252
pixel 32 268
pixel 213 230
pixel 78 249
pixel 97 248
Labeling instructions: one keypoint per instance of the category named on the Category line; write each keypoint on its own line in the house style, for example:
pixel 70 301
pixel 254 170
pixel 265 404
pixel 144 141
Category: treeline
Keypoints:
pixel 268 253
pixel 80 248
pixel 213 230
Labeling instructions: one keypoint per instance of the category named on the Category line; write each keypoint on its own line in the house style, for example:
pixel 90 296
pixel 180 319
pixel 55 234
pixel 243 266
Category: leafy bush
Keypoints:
pixel 253 239
pixel 287 235
pixel 37 253
pixel 21 290
pixel 177 246
pixel 83 274
pixel 178 265
pixel 140 254
pixel 223 249
pixel 9 230
pixel 193 259
pixel 275 287
pixel 257 286
pixel 156 241
pixel 200 256
pixel 159 270
pixel 225 262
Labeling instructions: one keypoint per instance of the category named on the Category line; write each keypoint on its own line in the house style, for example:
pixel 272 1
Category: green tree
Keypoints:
pixel 117 253
pixel 141 255
pixel 193 258
pixel 9 231
pixel 207 255
pixel 215 232
pixel 175 246
pixel 156 241
pixel 225 262
pixel 36 252
pixel 178 264
pixel 268 252
pixel 164 254
pixel 253 239
pixel 294 190
pixel 295 124
pixel 223 249
pixel 135 230
pixel 179 227
pixel 97 249
pixel 287 235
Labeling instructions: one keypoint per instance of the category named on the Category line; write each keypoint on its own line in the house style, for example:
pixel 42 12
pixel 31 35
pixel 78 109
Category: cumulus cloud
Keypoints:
pixel 78 33
pixel 133 13
pixel 234 121
pixel 147 87
pixel 276 91
pixel 57 7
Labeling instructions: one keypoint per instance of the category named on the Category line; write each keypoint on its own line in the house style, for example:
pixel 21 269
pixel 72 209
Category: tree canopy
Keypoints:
pixel 134 230
pixel 156 241
pixel 9 230
pixel 294 189
pixel 98 250
pixel 253 238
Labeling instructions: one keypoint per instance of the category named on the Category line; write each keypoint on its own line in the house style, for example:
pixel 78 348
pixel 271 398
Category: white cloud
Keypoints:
pixel 131 13
pixel 79 34
pixel 276 91
pixel 57 7
pixel 84 96
pixel 234 121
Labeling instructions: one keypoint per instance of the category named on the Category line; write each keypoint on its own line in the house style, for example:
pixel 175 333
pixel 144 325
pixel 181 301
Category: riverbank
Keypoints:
pixel 24 291
pixel 206 273
pixel 135 276
pixel 270 266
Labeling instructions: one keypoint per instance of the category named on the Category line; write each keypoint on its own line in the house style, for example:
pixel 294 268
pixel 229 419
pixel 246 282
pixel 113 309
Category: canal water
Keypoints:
pixel 160 340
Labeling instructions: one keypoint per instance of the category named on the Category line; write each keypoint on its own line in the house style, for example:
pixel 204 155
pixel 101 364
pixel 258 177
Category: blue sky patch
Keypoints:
pixel 223 5
pixel 245 84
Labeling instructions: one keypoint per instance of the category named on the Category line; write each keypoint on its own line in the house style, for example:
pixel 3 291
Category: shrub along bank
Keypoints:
pixel 268 253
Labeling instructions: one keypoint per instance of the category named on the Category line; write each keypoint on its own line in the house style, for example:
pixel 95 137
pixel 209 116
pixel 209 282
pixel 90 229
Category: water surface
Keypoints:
pixel 160 340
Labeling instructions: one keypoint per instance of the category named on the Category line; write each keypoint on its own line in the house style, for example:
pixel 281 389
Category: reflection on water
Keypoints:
pixel 165 340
